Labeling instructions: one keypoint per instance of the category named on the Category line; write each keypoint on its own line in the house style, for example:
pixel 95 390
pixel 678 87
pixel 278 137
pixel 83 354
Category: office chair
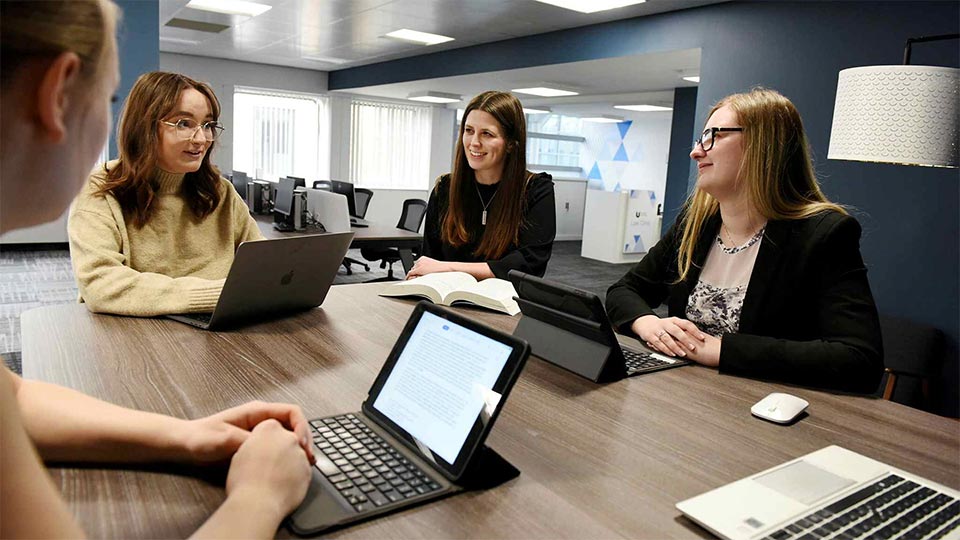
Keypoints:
pixel 362 199
pixel 410 219
pixel 912 353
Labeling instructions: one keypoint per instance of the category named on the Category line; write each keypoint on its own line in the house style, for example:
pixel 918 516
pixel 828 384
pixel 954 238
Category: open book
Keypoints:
pixel 448 288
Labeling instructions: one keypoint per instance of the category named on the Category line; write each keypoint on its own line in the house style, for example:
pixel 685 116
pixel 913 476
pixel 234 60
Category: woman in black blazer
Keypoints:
pixel 762 275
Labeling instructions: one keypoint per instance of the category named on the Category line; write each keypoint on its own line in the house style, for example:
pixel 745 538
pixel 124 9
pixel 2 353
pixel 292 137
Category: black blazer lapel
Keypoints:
pixel 765 271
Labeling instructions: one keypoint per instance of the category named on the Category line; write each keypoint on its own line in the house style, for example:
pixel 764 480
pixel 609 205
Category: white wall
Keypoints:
pixel 223 75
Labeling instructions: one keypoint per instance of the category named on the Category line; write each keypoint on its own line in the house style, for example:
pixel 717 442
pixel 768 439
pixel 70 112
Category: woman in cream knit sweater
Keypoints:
pixel 155 231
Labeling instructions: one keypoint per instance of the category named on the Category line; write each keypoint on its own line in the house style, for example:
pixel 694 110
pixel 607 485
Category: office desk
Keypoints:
pixel 375 236
pixel 597 461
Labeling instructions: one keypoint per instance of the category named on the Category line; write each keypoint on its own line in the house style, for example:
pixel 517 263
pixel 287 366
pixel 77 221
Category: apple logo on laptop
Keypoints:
pixel 287 278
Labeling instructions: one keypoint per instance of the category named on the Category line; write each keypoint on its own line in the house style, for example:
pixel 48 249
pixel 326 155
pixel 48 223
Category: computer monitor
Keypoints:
pixel 239 179
pixel 283 202
pixel 346 189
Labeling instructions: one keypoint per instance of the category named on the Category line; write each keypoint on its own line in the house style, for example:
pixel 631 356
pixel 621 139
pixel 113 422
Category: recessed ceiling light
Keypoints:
pixel 230 7
pixel 533 110
pixel 543 91
pixel 434 97
pixel 179 41
pixel 326 59
pixel 643 108
pixel 591 6
pixel 422 38
pixel 692 78
pixel 606 118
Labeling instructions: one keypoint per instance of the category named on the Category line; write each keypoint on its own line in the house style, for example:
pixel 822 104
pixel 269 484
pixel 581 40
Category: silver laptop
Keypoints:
pixel 830 493
pixel 275 277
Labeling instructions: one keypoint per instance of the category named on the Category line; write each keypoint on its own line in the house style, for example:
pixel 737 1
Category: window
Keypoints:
pixel 280 134
pixel 554 142
pixel 390 145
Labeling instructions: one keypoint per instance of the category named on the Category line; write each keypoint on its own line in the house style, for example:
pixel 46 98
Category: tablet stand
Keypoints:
pixel 488 469
pixel 569 347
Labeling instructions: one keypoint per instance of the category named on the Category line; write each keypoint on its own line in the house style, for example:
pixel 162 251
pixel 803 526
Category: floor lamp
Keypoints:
pixel 906 115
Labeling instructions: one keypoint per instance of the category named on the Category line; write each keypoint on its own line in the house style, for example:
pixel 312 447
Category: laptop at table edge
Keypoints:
pixel 272 277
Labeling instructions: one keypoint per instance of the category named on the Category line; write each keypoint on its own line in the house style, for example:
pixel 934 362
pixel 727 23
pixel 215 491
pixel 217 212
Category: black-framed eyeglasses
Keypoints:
pixel 187 129
pixel 706 138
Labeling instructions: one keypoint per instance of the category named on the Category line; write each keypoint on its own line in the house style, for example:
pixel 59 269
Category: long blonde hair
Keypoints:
pixel 775 168
pixel 31 30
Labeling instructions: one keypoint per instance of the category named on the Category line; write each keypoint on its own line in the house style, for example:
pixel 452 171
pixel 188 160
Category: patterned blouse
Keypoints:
pixel 716 300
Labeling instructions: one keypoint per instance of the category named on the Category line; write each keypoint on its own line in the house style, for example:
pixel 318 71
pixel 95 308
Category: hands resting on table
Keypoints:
pixel 267 445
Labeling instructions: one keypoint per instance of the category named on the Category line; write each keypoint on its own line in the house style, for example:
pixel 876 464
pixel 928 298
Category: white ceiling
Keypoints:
pixel 629 80
pixel 328 35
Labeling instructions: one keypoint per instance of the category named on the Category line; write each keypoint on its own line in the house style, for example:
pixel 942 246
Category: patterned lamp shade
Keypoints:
pixel 897 114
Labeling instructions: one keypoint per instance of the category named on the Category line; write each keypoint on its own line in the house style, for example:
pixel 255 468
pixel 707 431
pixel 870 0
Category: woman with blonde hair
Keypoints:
pixel 59 71
pixel 490 215
pixel 762 275
pixel 154 232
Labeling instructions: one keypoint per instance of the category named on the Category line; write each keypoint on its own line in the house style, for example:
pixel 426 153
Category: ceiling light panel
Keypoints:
pixel 603 119
pixel 536 110
pixel 591 6
pixel 230 7
pixel 544 91
pixel 435 97
pixel 692 78
pixel 422 38
pixel 643 108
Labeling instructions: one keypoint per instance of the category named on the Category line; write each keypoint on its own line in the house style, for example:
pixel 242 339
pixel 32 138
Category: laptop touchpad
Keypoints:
pixel 803 482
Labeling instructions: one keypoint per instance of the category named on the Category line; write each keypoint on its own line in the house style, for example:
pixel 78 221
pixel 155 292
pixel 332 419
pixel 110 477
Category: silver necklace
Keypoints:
pixel 737 249
pixel 483 216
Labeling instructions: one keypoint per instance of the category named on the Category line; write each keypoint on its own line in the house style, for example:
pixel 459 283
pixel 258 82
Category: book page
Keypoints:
pixel 442 283
pixel 490 293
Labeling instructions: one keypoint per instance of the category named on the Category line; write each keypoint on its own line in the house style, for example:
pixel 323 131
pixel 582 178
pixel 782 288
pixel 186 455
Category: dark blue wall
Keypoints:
pixel 910 215
pixel 138 39
pixel 683 131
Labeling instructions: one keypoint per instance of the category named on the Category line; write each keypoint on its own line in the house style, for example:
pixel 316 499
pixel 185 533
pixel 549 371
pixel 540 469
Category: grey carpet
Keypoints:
pixel 30 279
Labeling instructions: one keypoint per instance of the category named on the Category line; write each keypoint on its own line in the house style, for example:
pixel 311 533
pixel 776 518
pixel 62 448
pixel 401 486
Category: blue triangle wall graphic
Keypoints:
pixel 621 154
pixel 624 127
pixel 595 172
pixel 617 187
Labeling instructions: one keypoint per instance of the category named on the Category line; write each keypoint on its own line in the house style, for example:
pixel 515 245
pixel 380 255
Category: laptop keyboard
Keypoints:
pixel 364 468
pixel 642 361
pixel 890 508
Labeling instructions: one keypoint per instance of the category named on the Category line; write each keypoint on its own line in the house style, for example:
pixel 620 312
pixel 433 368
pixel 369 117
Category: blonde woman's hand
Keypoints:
pixel 269 470
pixel 671 336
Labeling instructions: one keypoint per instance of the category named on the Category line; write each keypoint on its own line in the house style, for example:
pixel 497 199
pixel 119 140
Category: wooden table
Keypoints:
pixel 597 461
pixel 374 236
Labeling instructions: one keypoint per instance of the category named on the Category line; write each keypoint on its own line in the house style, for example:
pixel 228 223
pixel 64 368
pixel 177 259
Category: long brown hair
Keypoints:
pixel 506 211
pixel 31 29
pixel 776 168
pixel 154 96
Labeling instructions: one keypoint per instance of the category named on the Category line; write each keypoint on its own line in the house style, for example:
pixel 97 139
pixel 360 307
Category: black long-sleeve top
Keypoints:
pixel 537 229
pixel 808 316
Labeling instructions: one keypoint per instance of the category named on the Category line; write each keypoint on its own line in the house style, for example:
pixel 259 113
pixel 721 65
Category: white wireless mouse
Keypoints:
pixel 779 408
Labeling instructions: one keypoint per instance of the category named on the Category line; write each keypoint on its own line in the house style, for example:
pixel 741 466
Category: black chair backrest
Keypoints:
pixel 323 184
pixel 362 197
pixel 412 216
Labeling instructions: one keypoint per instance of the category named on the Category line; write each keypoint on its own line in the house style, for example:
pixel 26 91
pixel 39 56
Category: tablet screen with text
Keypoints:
pixel 443 380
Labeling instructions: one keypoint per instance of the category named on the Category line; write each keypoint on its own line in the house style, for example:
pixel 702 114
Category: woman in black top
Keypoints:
pixel 761 273
pixel 490 215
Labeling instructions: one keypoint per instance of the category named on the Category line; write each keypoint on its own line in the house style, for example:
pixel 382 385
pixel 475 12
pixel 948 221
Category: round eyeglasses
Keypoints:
pixel 187 129
pixel 707 137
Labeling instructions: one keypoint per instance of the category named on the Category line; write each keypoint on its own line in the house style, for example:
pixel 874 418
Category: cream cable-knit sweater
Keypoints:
pixel 174 264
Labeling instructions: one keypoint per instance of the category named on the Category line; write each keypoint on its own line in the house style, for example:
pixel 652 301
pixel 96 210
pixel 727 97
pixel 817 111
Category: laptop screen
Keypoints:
pixel 441 382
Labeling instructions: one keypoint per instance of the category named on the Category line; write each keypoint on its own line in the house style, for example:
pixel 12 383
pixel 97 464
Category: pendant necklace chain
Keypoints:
pixel 483 216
